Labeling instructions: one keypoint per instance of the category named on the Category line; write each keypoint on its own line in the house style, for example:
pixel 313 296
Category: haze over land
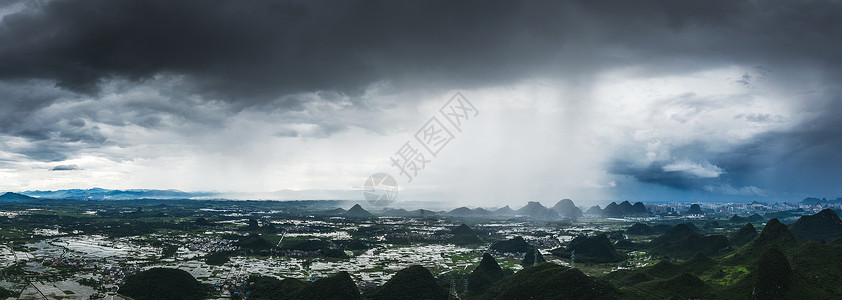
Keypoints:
pixel 652 101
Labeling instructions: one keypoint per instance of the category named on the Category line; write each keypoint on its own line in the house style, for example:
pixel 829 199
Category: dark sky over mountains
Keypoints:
pixel 651 100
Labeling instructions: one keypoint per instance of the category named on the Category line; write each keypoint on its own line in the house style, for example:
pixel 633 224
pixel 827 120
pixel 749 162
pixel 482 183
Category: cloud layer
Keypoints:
pixel 695 98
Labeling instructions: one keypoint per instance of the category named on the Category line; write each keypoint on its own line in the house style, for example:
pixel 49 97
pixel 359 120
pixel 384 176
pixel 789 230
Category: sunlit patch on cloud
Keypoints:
pixel 702 170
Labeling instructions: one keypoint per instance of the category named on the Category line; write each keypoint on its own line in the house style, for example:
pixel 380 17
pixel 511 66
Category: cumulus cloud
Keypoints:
pixel 702 170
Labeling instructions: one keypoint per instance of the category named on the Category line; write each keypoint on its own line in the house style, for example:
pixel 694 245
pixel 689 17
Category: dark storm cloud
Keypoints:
pixel 262 49
pixel 654 173
pixel 805 158
pixel 65 168
pixel 263 53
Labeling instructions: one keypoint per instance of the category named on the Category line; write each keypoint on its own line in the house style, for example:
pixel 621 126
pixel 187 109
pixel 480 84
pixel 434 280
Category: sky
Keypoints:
pixel 596 101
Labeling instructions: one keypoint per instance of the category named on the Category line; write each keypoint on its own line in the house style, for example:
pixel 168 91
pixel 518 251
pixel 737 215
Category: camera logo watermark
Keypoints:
pixel 414 155
pixel 380 189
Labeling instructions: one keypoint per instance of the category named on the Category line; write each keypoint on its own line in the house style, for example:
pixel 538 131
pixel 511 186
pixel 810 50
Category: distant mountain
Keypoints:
pixel 106 194
pixel 695 209
pixel 15 197
pixel 537 211
pixel 335 212
pixel 461 212
pixel 505 211
pixel 567 209
pixel 357 211
pixel 824 225
pixel 594 210
pixel 391 212
pixel 639 209
pixel 614 210
pixel 423 213
pixel 814 201
pixel 469 213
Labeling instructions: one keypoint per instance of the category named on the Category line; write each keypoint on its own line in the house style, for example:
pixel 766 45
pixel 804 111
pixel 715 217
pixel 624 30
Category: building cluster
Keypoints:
pixel 211 244
pixel 117 275
pixel 65 262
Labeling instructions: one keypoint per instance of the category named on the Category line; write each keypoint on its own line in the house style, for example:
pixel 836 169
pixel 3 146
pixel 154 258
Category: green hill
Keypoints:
pixel 675 234
pixel 15 197
pixel 683 286
pixel 817 270
pixel 464 235
pixel 772 275
pixel 462 229
pixel 824 225
pixel 531 256
pixel 357 211
pixel 551 281
pixel 595 249
pixel 270 288
pixel 164 284
pixel 743 236
pixel 694 243
pixel 755 218
pixel 515 245
pixel 414 282
pixel 486 274
pixel 567 209
pixel 640 229
pixel 339 286
pixel 775 233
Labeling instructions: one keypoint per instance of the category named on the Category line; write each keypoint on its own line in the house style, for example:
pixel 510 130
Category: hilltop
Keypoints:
pixel 537 211
pixel 755 218
pixel 743 236
pixel 469 213
pixel 551 281
pixel 695 209
pixel 514 245
pixel 487 273
pixel 824 225
pixel 357 211
pixel 775 233
pixel 163 283
pixel 505 211
pixel 597 249
pixel 614 210
pixel 414 282
pixel 566 208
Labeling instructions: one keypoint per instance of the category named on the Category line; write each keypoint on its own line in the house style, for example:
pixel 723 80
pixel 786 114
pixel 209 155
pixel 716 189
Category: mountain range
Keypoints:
pixel 814 201
pixel 108 194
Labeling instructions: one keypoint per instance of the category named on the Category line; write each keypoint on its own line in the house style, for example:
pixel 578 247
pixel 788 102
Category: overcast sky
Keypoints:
pixel 590 100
